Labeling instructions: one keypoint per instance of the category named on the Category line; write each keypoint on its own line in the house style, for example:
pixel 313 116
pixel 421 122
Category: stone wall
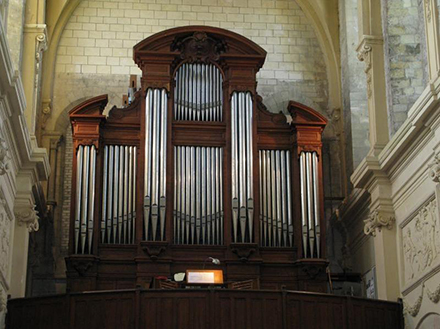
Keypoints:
pixel 14 30
pixel 405 57
pixel 95 52
pixel 354 87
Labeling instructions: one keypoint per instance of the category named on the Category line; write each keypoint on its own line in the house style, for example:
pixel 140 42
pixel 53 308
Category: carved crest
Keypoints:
pixel 199 48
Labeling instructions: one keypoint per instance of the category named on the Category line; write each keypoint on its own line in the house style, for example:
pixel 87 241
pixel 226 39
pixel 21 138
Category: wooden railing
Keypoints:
pixel 201 308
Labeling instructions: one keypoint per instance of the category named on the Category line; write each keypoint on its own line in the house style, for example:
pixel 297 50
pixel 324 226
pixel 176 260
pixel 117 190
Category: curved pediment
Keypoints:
pixel 198 43
pixel 304 115
pixel 92 107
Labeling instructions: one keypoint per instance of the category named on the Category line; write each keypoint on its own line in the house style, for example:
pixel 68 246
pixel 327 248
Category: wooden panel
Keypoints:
pixel 171 309
pixel 106 310
pixel 202 309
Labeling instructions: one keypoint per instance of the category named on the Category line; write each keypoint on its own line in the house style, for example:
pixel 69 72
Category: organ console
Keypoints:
pixel 195 166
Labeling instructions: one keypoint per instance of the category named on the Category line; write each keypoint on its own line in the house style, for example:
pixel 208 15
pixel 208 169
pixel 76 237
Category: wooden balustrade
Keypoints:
pixel 202 308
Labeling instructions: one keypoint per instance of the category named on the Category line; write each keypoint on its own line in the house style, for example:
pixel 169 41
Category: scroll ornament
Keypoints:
pixel 376 221
pixel 364 55
pixel 414 309
pixel 28 216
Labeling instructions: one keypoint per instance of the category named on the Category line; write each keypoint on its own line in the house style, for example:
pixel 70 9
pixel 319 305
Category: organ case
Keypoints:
pixel 196 167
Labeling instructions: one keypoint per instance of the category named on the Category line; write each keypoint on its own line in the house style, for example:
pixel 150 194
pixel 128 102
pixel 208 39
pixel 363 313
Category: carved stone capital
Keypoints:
pixel 377 220
pixel 27 215
pixel 434 169
pixel 4 157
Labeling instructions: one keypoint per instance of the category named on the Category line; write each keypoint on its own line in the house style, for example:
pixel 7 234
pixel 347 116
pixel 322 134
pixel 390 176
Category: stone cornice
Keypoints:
pixel 424 110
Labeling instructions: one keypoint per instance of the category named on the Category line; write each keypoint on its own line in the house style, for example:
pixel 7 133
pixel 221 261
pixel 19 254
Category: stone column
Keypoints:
pixel 34 43
pixel 432 37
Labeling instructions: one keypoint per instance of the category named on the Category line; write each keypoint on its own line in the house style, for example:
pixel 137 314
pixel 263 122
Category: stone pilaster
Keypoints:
pixel 370 51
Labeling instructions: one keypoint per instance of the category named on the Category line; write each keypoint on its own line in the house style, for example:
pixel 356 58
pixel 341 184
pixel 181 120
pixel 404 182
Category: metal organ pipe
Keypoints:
pixel 119 194
pixel 85 198
pixel 198 93
pixel 198 205
pixel 309 176
pixel 155 164
pixel 242 171
pixel 276 202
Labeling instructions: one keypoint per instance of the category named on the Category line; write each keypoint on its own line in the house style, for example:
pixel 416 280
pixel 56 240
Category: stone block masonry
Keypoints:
pixel 100 35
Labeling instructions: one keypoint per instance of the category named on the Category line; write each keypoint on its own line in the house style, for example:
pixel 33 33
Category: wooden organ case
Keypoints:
pixel 196 167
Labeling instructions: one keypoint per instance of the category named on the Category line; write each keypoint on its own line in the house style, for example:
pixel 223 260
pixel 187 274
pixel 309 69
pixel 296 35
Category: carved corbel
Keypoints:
pixel 27 216
pixel 4 157
pixel 377 220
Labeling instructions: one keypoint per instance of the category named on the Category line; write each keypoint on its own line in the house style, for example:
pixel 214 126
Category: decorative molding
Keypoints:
pixel 199 47
pixel 377 220
pixel 154 248
pixel 364 55
pixel 414 309
pixel 27 216
pixel 243 251
pixel 3 300
pixel 5 237
pixel 428 10
pixel 434 296
pixel 4 157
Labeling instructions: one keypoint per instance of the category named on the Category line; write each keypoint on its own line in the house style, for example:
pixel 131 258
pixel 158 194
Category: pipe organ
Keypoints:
pixel 196 167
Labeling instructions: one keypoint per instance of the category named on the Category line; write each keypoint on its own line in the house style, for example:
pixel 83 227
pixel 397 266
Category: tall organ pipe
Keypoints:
pixel 155 166
pixel 85 199
pixel 242 171
pixel 118 206
pixel 276 204
pixel 198 207
pixel 310 211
